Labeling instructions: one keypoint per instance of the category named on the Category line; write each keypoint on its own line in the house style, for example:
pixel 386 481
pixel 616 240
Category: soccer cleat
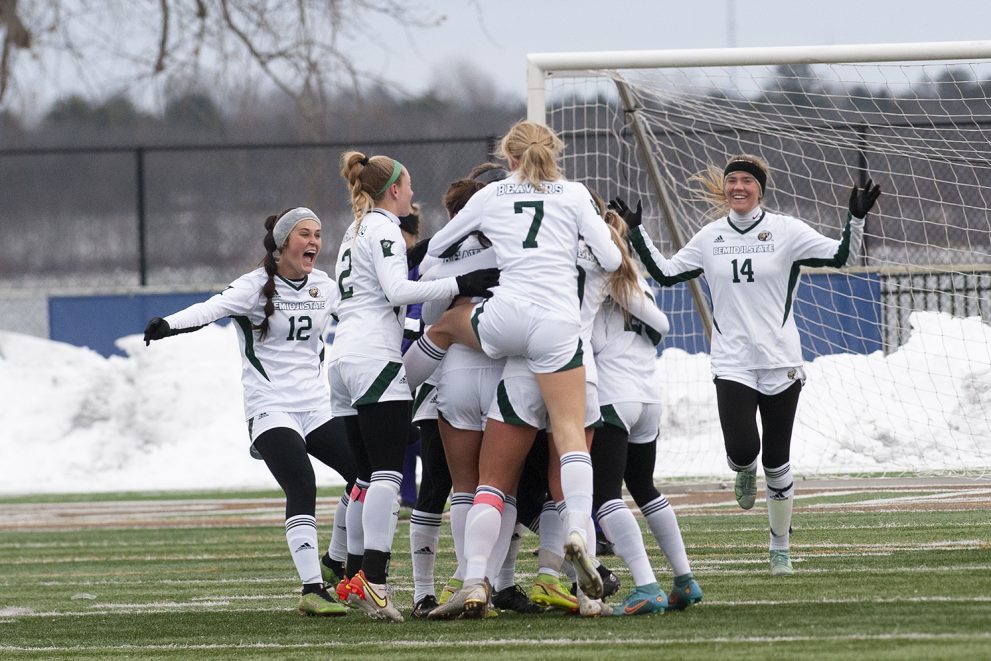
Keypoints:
pixel 330 571
pixel 320 603
pixel 745 488
pixel 547 591
pixel 684 593
pixel 453 585
pixel 471 601
pixel 514 598
pixel 423 607
pixel 645 599
pixel 781 563
pixel 342 590
pixel 610 582
pixel 588 607
pixel 577 554
pixel 604 547
pixel 373 598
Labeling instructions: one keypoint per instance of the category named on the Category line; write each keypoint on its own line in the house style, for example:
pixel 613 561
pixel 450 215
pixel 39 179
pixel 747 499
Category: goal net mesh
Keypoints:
pixel 897 348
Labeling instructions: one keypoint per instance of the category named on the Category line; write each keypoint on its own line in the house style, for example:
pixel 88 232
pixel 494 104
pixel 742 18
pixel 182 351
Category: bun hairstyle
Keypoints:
pixel 533 149
pixel 712 178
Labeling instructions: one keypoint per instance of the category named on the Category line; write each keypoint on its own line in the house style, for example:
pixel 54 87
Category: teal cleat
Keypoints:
pixel 645 599
pixel 686 591
pixel 781 563
pixel 746 488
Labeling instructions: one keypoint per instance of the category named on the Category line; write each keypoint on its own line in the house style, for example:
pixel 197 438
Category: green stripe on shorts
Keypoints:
pixel 509 416
pixel 610 417
pixel 576 360
pixel 380 384
pixel 422 394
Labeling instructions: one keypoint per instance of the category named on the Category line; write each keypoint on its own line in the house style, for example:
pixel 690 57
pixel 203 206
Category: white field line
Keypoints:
pixel 227 606
pixel 538 642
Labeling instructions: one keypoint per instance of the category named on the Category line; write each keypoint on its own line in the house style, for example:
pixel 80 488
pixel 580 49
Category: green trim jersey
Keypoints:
pixel 534 234
pixel 374 287
pixel 752 276
pixel 625 356
pixel 282 371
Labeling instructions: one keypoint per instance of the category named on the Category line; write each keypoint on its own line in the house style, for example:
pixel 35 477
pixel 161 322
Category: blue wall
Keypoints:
pixel 835 313
pixel 98 321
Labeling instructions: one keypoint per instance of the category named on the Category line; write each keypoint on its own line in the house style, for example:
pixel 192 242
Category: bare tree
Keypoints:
pixel 300 46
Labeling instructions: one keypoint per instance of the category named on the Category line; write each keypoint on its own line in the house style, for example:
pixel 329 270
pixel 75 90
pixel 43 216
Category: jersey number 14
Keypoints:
pixel 746 269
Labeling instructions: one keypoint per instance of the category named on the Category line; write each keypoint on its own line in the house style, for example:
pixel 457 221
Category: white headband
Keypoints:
pixel 287 223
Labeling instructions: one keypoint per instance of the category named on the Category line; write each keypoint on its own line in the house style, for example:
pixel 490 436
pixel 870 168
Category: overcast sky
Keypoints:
pixel 495 37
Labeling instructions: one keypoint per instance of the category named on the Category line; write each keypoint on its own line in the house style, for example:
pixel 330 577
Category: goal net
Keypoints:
pixel 897 348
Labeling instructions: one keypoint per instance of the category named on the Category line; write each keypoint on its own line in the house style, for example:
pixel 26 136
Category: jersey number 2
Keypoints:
pixel 747 269
pixel 348 292
pixel 538 215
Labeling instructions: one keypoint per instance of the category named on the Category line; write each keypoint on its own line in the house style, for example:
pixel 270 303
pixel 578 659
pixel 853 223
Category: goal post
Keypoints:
pixel 897 348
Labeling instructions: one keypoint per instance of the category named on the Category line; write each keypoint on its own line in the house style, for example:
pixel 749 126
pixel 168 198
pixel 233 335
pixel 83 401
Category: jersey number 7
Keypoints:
pixel 538 215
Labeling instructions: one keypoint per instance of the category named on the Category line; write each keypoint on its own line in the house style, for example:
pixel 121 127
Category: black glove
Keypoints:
pixel 478 283
pixel 156 329
pixel 630 217
pixel 416 254
pixel 862 199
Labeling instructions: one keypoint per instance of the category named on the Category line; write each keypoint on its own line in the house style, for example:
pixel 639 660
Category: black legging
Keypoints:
pixel 639 474
pixel 435 478
pixel 609 448
pixel 378 435
pixel 286 455
pixel 738 405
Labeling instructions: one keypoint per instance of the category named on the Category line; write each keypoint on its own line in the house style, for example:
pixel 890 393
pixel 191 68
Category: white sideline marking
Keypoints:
pixel 502 642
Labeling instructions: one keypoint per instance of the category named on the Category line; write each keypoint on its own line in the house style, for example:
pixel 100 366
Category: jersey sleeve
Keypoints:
pixel 389 259
pixel 684 265
pixel 458 228
pixel 813 249
pixel 645 309
pixel 598 237
pixel 240 298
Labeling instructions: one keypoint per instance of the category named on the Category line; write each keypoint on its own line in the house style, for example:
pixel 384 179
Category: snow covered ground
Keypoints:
pixel 170 416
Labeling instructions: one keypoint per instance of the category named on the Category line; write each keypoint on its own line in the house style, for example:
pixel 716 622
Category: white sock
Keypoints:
pixel 482 530
pixel 507 573
pixel 751 467
pixel 461 503
pixel 381 510
pixel 420 361
pixel 663 524
pixel 301 535
pixel 549 557
pixel 620 526
pixel 506 528
pixel 356 506
pixel 338 548
pixel 780 499
pixel 576 483
pixel 424 535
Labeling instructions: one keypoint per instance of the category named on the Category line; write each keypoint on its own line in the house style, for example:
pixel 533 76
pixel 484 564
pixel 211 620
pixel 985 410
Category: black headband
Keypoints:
pixel 750 168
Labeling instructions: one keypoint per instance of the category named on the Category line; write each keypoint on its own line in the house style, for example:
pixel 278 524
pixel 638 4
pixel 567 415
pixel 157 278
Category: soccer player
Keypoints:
pixel 752 259
pixel 533 220
pixel 281 311
pixel 367 381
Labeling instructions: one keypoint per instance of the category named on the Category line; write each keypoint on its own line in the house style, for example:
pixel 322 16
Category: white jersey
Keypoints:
pixel 374 288
pixel 625 356
pixel 282 371
pixel 534 235
pixel 752 276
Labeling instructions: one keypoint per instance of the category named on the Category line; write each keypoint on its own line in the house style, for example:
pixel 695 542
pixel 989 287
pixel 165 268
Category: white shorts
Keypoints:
pixel 425 401
pixel 641 421
pixel 301 422
pixel 766 382
pixel 518 402
pixel 465 395
pixel 356 381
pixel 506 326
